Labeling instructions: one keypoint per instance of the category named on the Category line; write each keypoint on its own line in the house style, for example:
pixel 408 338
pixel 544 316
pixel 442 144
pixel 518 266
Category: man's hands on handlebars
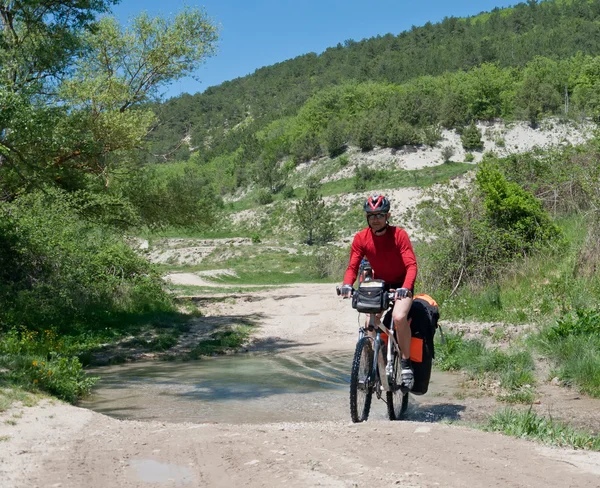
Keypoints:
pixel 403 293
pixel 346 291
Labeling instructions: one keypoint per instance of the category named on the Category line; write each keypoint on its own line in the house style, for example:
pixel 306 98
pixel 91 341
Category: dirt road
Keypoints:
pixel 57 445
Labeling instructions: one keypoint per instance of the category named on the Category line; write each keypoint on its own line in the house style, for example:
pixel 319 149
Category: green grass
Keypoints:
pixel 538 289
pixel 573 346
pixel 514 370
pixel 528 425
pixel 257 266
pixel 400 178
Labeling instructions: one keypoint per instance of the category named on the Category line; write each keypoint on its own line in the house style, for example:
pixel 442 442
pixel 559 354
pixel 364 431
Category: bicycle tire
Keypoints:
pixel 361 391
pixel 397 401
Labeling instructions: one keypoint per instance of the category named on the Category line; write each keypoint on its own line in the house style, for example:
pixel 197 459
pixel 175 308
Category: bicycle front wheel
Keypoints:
pixel 361 383
pixel 397 400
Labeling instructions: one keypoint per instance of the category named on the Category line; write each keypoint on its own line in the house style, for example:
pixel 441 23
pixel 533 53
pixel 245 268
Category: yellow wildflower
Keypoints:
pixel 35 381
pixel 34 363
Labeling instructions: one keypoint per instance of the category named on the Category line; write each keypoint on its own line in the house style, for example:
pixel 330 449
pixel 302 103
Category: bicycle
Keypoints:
pixel 369 376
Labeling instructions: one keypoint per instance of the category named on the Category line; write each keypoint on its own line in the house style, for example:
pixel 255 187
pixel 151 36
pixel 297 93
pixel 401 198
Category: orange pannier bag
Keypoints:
pixel 423 316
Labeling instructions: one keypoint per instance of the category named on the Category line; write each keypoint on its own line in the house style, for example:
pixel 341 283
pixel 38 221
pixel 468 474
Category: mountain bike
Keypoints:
pixel 376 369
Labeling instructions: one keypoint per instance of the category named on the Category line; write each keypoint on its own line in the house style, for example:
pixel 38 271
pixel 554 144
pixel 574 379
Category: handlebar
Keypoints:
pixel 391 294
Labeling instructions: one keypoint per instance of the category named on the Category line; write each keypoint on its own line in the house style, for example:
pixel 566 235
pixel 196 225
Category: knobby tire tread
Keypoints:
pixel 364 345
pixel 397 403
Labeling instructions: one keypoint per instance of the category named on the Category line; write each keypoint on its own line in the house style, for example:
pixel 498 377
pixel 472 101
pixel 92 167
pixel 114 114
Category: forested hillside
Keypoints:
pixel 505 37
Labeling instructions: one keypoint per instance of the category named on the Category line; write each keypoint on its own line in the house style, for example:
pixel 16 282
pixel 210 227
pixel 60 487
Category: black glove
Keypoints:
pixel 346 290
pixel 403 293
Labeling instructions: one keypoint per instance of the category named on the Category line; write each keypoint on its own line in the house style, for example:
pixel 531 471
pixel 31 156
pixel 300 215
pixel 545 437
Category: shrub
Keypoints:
pixel 287 192
pixel 328 262
pixel 264 197
pixel 471 138
pixel 335 138
pixel 363 134
pixel 57 269
pixel 447 153
pixel 343 160
pixel 362 175
pixel 401 134
pixel 469 158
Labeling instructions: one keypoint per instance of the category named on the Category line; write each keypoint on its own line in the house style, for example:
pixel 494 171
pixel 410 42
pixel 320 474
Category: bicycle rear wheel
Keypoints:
pixel 361 385
pixel 397 400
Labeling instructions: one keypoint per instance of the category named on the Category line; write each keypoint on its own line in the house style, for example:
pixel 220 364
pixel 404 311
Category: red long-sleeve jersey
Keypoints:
pixel 391 256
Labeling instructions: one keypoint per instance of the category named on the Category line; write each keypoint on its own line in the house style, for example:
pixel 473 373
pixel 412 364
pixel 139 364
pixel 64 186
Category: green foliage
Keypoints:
pixel 584 322
pixel 512 209
pixel 447 153
pixel 479 231
pixel 335 138
pixel 264 197
pixel 514 370
pixel 401 134
pixel 469 157
pixel 573 343
pixel 363 135
pixel 328 262
pixel 173 199
pixel 58 269
pixel 312 216
pixel 363 175
pixel 33 362
pixel 527 424
pixel 287 192
pixel 471 138
pixel 222 341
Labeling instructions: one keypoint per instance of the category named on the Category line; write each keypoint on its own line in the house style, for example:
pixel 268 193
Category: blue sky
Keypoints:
pixel 259 33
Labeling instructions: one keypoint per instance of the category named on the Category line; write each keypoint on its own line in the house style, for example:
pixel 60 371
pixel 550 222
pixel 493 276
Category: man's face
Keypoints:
pixel 377 221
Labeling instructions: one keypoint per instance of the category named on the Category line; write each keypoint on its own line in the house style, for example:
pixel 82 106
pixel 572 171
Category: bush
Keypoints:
pixel 401 134
pixel 264 197
pixel 363 135
pixel 288 192
pixel 362 175
pixel 328 262
pixel 447 153
pixel 57 269
pixel 480 229
pixel 471 138
pixel 469 158
pixel 335 138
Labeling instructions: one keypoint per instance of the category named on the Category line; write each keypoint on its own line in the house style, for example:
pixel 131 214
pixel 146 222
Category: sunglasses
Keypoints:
pixel 377 215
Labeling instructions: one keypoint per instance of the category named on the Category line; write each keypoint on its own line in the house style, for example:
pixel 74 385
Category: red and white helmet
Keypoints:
pixel 377 204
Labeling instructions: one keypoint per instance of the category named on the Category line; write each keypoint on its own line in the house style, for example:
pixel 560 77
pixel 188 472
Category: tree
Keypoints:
pixel 312 216
pixel 87 102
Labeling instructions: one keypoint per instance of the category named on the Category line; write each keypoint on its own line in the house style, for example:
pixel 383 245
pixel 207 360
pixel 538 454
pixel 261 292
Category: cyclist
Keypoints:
pixel 392 259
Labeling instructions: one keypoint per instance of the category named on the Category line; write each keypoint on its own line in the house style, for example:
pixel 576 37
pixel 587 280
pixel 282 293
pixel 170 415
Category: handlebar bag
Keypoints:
pixel 371 297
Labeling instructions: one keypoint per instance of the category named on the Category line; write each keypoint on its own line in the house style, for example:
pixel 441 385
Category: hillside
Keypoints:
pixel 507 37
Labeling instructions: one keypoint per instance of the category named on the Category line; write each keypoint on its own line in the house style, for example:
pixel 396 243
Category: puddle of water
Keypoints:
pixel 150 471
pixel 243 388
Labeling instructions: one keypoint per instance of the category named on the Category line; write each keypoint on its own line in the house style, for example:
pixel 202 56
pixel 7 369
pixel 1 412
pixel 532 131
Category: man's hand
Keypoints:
pixel 403 293
pixel 346 291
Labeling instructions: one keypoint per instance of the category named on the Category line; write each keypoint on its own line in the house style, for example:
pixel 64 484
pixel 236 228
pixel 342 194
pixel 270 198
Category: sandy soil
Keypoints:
pixel 58 445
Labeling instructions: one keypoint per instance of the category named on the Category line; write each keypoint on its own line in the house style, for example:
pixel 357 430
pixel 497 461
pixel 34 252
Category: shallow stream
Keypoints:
pixel 242 388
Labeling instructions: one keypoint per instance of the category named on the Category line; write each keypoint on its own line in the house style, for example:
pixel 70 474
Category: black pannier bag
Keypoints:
pixel 424 315
pixel 371 297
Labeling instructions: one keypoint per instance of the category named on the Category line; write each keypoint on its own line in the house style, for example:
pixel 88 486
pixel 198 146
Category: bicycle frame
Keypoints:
pixel 382 367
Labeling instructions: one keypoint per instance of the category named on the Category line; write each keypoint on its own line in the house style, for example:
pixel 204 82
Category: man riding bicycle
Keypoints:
pixel 390 254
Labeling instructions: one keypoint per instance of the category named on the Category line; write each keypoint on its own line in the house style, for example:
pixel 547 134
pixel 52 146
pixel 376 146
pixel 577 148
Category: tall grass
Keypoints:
pixel 513 371
pixel 527 424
